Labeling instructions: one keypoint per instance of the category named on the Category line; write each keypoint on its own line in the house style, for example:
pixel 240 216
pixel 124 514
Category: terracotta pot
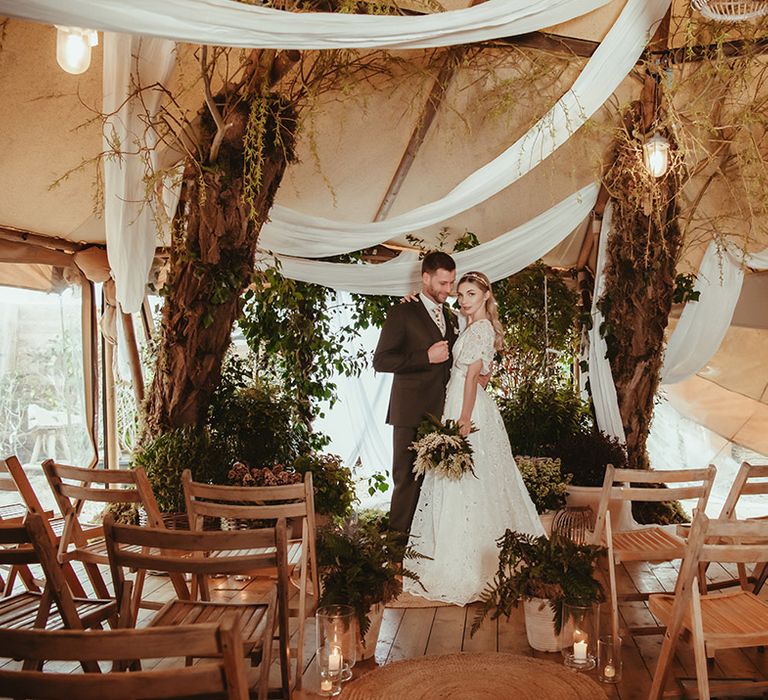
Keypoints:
pixel 540 625
pixel 366 647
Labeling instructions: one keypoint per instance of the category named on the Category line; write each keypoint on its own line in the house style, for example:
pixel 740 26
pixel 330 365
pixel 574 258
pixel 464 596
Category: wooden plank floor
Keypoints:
pixel 414 632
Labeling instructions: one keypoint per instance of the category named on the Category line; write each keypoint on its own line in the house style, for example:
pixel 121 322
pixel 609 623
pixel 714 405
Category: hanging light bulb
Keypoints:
pixel 73 48
pixel 656 155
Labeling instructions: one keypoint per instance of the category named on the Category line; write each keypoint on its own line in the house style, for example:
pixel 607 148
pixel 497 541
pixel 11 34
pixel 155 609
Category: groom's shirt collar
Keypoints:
pixel 429 303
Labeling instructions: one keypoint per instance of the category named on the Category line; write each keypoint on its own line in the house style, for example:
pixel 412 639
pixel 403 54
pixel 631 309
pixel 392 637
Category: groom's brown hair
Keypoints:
pixel 437 260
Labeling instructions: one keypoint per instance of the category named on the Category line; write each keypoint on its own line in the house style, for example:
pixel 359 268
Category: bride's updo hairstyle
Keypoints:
pixel 491 307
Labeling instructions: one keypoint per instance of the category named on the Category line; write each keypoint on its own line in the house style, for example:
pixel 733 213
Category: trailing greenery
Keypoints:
pixel 253 420
pixel 538 311
pixel 296 332
pixel 544 480
pixel 555 569
pixel 540 414
pixel 333 483
pixel 361 564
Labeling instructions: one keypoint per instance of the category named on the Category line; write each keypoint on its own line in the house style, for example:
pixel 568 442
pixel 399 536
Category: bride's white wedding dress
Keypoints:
pixel 457 523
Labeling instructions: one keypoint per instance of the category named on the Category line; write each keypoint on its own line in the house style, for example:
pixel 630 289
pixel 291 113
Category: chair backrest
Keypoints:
pixel 75 486
pixel 248 502
pixel 295 502
pixel 223 675
pixel 195 552
pixel 22 485
pixel 750 480
pixel 6 482
pixel 29 543
pixel 643 485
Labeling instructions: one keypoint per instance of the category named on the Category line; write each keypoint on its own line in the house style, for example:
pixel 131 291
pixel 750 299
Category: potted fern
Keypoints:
pixel 543 573
pixel 361 564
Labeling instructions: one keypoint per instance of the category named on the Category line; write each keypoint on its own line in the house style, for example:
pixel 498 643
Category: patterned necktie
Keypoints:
pixel 437 312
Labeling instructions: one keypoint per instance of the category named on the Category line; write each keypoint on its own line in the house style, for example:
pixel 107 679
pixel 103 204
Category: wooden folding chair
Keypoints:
pixel 717 620
pixel 54 607
pixel 295 503
pixel 224 676
pixel 55 524
pixel 189 552
pixel 104 486
pixel 647 543
pixel 750 480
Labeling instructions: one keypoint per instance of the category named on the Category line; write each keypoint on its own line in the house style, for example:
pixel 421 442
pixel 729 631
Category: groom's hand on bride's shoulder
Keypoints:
pixel 438 352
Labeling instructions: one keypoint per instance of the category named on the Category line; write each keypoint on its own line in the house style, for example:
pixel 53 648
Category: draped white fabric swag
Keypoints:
pixel 131 221
pixel 231 23
pixel 499 258
pixel 704 323
pixel 293 233
pixel 600 376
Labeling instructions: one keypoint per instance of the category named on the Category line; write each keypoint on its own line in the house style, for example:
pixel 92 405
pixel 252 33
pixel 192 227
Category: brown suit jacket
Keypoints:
pixel 418 387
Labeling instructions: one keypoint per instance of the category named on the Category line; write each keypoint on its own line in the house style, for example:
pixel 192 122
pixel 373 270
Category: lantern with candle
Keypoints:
pixel 578 637
pixel 336 641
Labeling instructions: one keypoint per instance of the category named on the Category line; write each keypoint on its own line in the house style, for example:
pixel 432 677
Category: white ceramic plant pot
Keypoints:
pixel 540 625
pixel 366 647
pixel 621 511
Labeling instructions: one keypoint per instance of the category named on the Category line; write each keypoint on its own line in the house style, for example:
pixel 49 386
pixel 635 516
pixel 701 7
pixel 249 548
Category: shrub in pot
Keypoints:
pixel 547 571
pixel 333 483
pixel 361 564
pixel 544 480
pixel 167 455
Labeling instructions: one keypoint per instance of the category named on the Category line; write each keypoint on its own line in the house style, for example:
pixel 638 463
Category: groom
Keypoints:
pixel 415 344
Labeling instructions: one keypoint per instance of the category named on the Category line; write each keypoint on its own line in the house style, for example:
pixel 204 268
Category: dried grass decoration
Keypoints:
pixel 441 449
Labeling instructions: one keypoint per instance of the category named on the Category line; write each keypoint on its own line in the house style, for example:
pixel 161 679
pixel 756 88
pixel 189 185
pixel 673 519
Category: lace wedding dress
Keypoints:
pixel 457 523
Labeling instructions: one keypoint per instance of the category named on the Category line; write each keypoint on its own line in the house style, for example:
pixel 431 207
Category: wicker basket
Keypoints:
pixel 731 11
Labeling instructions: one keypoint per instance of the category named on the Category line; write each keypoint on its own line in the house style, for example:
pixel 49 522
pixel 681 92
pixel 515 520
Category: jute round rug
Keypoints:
pixel 487 676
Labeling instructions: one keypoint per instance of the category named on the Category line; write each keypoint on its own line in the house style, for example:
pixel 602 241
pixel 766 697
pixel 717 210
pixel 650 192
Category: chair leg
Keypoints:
pixel 699 651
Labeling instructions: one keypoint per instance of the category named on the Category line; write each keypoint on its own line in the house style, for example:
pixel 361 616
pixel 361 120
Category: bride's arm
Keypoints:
pixel 470 395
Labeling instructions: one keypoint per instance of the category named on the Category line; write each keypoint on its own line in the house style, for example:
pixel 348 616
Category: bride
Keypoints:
pixel 457 522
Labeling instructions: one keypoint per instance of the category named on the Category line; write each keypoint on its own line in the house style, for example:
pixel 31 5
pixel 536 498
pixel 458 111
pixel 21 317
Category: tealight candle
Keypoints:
pixel 609 671
pixel 326 685
pixel 335 660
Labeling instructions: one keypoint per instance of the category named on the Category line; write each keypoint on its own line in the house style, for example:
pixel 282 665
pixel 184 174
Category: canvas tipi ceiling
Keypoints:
pixel 352 146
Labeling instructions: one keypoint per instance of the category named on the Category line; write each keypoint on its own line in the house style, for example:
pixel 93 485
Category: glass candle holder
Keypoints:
pixel 578 637
pixel 336 631
pixel 329 666
pixel 609 659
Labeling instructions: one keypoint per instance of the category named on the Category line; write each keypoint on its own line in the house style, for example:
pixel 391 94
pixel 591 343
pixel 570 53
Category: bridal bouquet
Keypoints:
pixel 440 448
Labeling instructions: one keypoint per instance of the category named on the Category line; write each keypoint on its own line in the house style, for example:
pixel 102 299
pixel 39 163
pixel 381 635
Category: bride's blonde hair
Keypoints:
pixel 491 307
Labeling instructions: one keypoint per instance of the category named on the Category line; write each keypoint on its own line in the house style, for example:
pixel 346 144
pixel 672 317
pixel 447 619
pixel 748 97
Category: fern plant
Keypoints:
pixel 556 569
pixel 361 564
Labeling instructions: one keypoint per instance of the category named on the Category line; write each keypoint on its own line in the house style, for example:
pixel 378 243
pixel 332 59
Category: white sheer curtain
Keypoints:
pixel 600 376
pixel 130 220
pixel 499 258
pixel 230 23
pixel 293 233
pixel 704 323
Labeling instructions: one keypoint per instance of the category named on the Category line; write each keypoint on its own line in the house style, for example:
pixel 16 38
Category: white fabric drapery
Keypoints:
pixel 499 258
pixel 704 323
pixel 130 220
pixel 601 383
pixel 292 233
pixel 230 23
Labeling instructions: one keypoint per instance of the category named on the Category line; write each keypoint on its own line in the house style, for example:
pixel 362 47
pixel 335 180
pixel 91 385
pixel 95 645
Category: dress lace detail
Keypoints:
pixel 457 523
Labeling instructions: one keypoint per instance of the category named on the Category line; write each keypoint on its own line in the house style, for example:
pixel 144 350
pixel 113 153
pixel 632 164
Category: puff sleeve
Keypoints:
pixel 478 345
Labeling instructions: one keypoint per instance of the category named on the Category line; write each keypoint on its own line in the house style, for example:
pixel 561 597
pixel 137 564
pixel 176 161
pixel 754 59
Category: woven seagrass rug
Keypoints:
pixel 487 676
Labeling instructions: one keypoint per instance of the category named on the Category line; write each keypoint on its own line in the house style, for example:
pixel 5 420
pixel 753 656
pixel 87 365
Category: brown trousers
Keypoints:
pixel 405 496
